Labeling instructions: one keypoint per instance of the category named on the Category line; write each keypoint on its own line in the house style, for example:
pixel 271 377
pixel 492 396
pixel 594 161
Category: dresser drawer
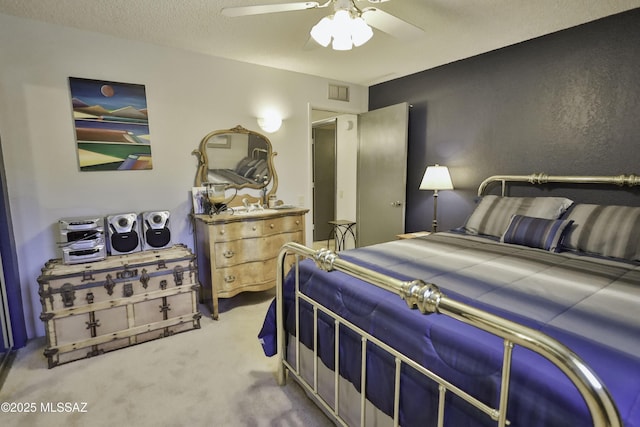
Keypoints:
pixel 255 228
pixel 237 230
pixel 233 279
pixel 245 250
pixel 285 224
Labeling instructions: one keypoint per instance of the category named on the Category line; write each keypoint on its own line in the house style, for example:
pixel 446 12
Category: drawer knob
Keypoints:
pixel 254 228
pixel 229 279
pixel 228 254
pixel 297 222
pixel 271 225
pixel 222 231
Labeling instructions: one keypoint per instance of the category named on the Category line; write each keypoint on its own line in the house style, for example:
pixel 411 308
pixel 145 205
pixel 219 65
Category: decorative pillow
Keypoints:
pixel 492 215
pixel 247 169
pixel 242 165
pixel 536 232
pixel 611 231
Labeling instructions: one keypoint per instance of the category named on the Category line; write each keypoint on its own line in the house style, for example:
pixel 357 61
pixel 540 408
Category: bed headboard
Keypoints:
pixel 542 178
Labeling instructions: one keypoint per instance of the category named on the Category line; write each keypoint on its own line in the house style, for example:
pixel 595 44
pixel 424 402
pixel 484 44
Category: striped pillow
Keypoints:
pixel 611 231
pixel 492 215
pixel 536 232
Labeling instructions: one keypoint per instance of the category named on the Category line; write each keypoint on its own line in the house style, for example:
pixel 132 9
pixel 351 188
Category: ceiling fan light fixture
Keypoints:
pixel 342 30
pixel 321 32
pixel 341 42
pixel 345 29
pixel 361 32
pixel 341 19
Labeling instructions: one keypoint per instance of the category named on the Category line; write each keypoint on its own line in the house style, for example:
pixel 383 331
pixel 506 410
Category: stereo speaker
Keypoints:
pixel 156 231
pixel 124 233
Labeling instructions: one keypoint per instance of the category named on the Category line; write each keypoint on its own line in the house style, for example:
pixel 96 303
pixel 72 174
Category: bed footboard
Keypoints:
pixel 430 300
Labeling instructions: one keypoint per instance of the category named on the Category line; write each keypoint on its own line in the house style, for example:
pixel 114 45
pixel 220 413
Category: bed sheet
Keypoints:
pixel 588 304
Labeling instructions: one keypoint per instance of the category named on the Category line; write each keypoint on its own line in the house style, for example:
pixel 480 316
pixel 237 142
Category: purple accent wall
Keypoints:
pixel 567 103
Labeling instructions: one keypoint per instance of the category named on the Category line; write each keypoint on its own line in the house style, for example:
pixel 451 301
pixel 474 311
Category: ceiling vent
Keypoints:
pixel 339 93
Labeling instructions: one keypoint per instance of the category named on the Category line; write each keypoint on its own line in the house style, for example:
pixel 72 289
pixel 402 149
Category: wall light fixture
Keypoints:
pixel 270 122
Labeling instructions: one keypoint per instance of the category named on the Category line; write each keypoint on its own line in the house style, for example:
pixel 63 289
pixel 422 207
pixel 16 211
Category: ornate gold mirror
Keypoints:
pixel 239 158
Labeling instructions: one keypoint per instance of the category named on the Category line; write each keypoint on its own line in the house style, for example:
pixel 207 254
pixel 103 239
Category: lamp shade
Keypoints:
pixel 436 178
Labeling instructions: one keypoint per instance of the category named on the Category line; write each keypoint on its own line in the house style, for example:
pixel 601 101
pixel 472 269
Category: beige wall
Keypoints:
pixel 188 95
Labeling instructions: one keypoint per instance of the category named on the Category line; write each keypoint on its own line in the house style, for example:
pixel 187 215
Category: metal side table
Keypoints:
pixel 341 228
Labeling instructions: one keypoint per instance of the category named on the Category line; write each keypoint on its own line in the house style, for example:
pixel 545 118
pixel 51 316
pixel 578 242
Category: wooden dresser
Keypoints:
pixel 238 253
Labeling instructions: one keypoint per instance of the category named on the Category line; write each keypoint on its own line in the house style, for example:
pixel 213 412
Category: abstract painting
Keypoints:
pixel 111 123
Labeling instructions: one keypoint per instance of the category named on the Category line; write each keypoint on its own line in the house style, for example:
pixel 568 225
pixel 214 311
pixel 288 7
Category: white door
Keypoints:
pixel 382 173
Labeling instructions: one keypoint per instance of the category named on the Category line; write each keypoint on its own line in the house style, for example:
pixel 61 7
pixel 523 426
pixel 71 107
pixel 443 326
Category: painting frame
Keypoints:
pixel 111 125
pixel 219 141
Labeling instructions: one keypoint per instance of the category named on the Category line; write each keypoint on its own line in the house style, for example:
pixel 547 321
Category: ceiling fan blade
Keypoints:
pixel 390 24
pixel 268 8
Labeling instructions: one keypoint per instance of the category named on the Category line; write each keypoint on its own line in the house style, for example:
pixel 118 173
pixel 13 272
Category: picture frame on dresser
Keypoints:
pixel 198 199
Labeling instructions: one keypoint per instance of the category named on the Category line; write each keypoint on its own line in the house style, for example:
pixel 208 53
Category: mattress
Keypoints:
pixel 589 304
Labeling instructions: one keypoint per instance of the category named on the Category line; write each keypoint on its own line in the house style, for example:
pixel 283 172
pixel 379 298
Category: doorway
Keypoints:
pixel 369 172
pixel 324 177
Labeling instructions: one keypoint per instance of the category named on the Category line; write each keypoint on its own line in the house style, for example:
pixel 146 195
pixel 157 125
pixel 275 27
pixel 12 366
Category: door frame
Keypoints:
pixel 337 112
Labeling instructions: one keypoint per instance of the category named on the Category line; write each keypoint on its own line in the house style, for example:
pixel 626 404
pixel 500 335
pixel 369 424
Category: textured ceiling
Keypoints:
pixel 453 30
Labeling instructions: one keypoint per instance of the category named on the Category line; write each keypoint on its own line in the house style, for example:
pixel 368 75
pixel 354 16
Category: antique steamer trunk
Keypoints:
pixel 92 308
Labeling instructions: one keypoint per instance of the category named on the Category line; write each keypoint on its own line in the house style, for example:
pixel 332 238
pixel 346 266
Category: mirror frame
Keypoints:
pixel 203 160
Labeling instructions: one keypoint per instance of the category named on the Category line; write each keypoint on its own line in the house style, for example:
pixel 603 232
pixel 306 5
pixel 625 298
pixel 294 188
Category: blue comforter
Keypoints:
pixel 589 304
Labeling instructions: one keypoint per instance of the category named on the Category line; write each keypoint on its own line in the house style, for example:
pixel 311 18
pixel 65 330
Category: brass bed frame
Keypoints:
pixel 542 178
pixel 428 298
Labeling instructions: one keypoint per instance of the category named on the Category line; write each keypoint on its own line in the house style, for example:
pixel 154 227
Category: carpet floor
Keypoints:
pixel 213 376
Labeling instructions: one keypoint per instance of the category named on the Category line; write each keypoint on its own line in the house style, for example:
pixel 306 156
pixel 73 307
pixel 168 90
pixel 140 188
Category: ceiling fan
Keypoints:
pixel 348 26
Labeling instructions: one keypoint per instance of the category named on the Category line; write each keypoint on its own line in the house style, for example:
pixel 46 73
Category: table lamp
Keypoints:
pixel 436 178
